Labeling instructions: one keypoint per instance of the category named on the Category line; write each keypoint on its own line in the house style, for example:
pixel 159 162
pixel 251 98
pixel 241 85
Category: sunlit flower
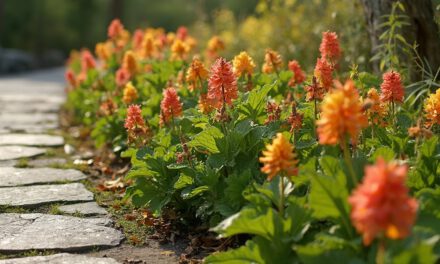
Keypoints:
pixel 129 94
pixel 377 112
pixel 298 74
pixel 134 118
pixel 137 129
pixel 179 50
pixel 122 77
pixel 323 72
pixel 182 33
pixel 215 45
pixel 295 119
pixel 170 106
pixel 196 73
pixel 329 47
pixel 70 78
pixel 392 88
pixel 419 132
pixel 279 158
pixel 222 84
pixel 243 64
pixel 273 111
pixel 130 63
pixel 342 115
pixel 87 61
pixel 115 29
pixel 381 204
pixel 272 61
pixel 432 109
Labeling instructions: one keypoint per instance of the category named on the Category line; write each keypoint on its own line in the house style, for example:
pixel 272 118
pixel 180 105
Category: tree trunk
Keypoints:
pixel 423 29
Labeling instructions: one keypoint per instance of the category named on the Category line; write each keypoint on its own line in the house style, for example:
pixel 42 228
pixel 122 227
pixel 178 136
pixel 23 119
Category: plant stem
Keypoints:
pixel 316 118
pixel 281 207
pixel 348 161
pixel 380 257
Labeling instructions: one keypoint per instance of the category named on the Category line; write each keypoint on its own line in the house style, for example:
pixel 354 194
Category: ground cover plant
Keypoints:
pixel 333 165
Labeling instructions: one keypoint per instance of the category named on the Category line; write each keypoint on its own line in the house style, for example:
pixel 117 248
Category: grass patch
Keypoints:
pixel 22 163
pixel 30 253
pixel 13 209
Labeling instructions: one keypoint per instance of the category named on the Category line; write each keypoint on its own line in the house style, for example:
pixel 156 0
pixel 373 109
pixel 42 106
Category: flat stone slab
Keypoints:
pixel 18 152
pixel 86 209
pixel 23 232
pixel 31 140
pixel 10 176
pixel 27 128
pixel 35 118
pixel 35 107
pixel 63 258
pixel 36 195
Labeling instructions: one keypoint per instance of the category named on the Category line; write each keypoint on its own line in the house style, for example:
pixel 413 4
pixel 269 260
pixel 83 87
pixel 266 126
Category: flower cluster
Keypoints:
pixel 170 107
pixel 432 109
pixel 272 61
pixel 392 88
pixel 222 84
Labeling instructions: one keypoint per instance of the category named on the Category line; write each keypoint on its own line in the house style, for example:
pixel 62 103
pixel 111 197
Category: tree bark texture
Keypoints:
pixel 423 29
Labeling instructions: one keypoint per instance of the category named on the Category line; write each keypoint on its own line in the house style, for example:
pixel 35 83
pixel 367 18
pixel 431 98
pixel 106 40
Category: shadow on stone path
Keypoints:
pixel 28 106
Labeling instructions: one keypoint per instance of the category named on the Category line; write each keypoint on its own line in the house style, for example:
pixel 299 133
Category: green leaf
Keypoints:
pixel 256 101
pixel 422 253
pixel 188 194
pixel 248 221
pixel 206 139
pixel 249 253
pixel 385 152
pixel 183 181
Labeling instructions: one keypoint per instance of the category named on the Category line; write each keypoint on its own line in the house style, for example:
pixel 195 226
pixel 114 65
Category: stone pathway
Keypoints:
pixel 28 128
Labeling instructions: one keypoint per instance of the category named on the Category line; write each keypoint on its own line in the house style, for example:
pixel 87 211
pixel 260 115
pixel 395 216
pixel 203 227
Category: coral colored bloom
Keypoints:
pixel 108 107
pixel 115 29
pixel 376 112
pixel 179 50
pixel 272 61
pixel 432 109
pixel 87 61
pixel 134 118
pixel 243 64
pixel 323 72
pixel 170 106
pixel 273 111
pixel 381 204
pixel 419 132
pixel 315 91
pixel 295 119
pixel 138 36
pixel 122 76
pixel 130 63
pixel 222 84
pixel 70 78
pixel 298 74
pixel 279 158
pixel 196 73
pixel 182 33
pixel 392 88
pixel 342 115
pixel 329 47
pixel 129 94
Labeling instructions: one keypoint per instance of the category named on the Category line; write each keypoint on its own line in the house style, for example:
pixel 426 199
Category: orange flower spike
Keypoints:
pixel 432 109
pixel 279 157
pixel 272 61
pixel 130 63
pixel 222 84
pixel 215 45
pixel 298 74
pixel 243 64
pixel 148 47
pixel 170 106
pixel 115 29
pixel 323 72
pixel 342 115
pixel 392 88
pixel 103 50
pixel 329 47
pixel 205 105
pixel 130 93
pixel 377 111
pixel 138 36
pixel 381 205
pixel 196 73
